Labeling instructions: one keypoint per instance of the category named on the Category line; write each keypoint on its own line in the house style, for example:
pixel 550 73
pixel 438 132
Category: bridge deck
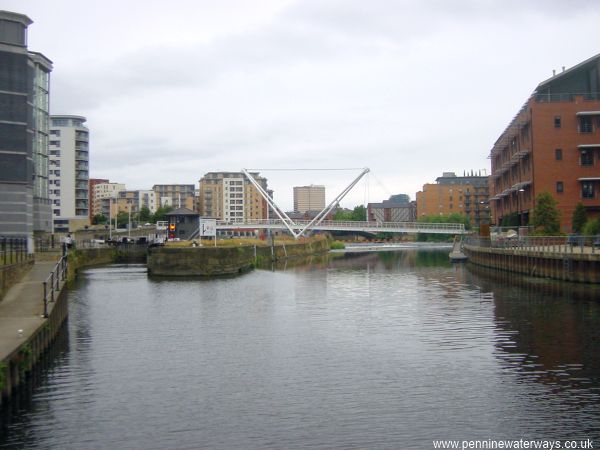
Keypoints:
pixel 329 225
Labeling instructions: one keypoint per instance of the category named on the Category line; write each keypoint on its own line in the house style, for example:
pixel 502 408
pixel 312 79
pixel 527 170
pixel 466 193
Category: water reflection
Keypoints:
pixel 548 332
pixel 351 350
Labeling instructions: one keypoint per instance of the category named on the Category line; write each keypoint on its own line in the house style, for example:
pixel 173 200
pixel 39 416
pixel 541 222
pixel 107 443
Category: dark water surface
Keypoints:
pixel 369 350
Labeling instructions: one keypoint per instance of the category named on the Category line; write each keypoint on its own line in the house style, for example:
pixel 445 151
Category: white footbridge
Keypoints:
pixel 298 228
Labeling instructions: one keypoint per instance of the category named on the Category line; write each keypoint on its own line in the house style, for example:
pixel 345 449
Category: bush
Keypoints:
pixel 579 218
pixel 546 218
pixel 337 245
pixel 592 227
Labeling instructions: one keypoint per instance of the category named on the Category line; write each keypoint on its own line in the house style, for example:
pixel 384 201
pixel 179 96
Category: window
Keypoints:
pixel 587 189
pixel 587 158
pixel 585 124
pixel 557 122
pixel 57 143
pixel 54 132
pixel 558 154
pixel 560 188
pixel 60 122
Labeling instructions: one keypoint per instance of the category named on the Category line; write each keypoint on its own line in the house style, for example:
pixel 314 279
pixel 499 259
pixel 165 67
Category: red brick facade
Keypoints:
pixel 553 145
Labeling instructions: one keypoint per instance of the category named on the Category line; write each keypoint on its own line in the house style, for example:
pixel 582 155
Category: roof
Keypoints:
pixel 391 204
pixel 593 60
pixel 15 17
pixel 182 212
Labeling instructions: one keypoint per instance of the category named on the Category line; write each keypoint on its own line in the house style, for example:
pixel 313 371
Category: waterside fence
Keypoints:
pixel 567 258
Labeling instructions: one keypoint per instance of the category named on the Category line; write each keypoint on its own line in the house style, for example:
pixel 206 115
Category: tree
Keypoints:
pixel 579 218
pixel 99 219
pixel 546 217
pixel 122 219
pixel 144 215
pixel 358 214
pixel 592 227
pixel 160 213
pixel 450 218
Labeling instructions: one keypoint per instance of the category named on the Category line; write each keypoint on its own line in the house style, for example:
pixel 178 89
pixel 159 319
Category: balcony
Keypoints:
pixel 565 97
pixel 81 136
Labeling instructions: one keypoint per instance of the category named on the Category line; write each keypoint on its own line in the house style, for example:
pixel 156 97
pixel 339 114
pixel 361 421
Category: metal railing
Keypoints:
pixel 52 284
pixel 407 227
pixel 13 250
pixel 542 244
pixel 565 97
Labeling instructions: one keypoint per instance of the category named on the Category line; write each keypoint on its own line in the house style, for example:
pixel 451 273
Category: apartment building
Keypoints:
pixel 93 201
pixel 398 208
pixel 467 195
pixel 135 200
pixel 102 191
pixel 25 205
pixel 552 145
pixel 231 196
pixel 69 172
pixel 309 198
pixel 176 195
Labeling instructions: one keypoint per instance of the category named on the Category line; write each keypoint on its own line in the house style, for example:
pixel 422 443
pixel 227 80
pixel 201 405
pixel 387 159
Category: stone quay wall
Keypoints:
pixel 577 267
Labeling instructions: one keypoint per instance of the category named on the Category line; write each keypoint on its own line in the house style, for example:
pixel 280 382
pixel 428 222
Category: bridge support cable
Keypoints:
pixel 285 219
pixel 319 217
pixel 289 223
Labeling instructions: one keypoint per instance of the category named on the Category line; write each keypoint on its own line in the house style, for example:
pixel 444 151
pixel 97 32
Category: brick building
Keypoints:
pixel 467 195
pixel 230 196
pixel 92 192
pixel 553 145
pixel 398 208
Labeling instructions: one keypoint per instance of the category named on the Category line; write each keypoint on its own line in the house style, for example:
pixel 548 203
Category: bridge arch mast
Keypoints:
pixel 295 229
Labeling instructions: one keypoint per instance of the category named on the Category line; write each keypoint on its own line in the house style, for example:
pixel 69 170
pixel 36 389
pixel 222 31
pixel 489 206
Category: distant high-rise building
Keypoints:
pixel 24 89
pixel 309 198
pixel 231 196
pixel 69 172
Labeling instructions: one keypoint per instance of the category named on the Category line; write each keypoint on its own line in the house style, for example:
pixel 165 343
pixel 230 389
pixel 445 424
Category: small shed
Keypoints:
pixel 182 223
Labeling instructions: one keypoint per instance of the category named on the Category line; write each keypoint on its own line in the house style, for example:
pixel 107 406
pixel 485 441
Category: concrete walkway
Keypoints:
pixel 22 308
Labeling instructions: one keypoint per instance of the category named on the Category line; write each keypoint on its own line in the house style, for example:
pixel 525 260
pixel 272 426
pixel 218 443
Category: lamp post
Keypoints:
pixel 519 191
pixel 110 218
pixel 129 225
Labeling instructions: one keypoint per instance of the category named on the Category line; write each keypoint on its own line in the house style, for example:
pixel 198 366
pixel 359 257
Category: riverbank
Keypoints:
pixel 551 259
pixel 24 331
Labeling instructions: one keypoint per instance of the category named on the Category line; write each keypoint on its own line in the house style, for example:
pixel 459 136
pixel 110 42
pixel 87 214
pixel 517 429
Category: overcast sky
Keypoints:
pixel 409 88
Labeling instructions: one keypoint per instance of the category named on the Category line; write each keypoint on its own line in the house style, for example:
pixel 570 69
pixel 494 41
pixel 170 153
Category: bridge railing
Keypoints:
pixel 423 227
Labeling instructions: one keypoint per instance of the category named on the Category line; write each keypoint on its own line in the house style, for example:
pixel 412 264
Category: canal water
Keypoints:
pixel 368 350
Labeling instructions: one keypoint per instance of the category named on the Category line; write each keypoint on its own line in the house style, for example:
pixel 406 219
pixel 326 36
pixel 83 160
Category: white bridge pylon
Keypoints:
pixel 298 229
